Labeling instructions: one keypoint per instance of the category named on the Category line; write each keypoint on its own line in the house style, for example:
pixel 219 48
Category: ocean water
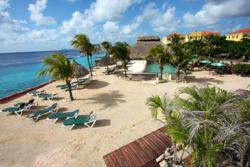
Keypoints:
pixel 18 70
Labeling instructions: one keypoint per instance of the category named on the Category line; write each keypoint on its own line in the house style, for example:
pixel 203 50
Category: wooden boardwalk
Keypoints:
pixel 141 152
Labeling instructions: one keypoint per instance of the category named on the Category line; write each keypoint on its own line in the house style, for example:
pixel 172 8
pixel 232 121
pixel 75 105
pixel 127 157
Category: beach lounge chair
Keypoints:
pixel 46 96
pixel 35 92
pixel 47 110
pixel 27 105
pixel 63 115
pixel 15 109
pixel 62 86
pixel 87 120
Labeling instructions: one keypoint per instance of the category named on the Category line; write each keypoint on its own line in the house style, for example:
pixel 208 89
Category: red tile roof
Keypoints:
pixel 172 34
pixel 206 33
pixel 243 30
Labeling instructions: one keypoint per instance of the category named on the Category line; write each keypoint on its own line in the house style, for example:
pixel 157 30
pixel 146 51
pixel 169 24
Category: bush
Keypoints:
pixel 241 69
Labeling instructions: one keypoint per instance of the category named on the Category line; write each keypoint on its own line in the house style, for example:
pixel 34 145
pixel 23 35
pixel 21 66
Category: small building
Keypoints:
pixel 199 35
pixel 168 39
pixel 238 35
pixel 143 45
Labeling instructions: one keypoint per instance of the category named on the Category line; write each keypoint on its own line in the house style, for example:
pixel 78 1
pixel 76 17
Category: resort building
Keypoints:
pixel 238 35
pixel 199 35
pixel 168 39
pixel 196 35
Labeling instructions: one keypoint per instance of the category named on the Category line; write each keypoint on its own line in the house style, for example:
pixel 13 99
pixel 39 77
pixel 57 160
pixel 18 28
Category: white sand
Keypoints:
pixel 122 118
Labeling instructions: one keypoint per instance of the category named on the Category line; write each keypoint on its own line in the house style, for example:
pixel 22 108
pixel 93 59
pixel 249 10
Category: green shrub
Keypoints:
pixel 241 69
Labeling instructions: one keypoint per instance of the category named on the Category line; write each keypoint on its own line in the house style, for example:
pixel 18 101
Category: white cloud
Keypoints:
pixel 10 28
pixel 72 0
pixel 36 13
pixel 98 22
pixel 3 5
pixel 213 10
pixel 102 10
pixel 161 20
pixel 110 27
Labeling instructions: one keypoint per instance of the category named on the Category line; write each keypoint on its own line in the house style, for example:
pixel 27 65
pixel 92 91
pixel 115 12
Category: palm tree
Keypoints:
pixel 58 67
pixel 209 45
pixel 161 56
pixel 120 52
pixel 209 120
pixel 180 57
pixel 83 44
pixel 107 46
pixel 156 104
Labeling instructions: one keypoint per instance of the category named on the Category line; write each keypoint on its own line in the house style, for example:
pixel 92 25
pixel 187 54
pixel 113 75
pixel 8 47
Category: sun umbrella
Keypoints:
pixel 79 70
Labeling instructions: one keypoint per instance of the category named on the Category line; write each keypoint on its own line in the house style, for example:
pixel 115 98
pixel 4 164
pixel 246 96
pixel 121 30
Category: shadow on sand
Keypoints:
pixel 96 84
pixel 203 80
pixel 110 99
pixel 99 123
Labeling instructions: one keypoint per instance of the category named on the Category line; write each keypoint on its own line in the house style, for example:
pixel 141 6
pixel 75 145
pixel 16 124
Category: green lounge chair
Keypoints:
pixel 63 115
pixel 87 120
pixel 47 110
pixel 28 104
pixel 15 109
pixel 46 96
pixel 35 92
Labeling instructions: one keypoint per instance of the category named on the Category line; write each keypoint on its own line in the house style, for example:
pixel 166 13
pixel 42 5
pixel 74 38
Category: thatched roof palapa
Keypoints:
pixel 79 70
pixel 143 45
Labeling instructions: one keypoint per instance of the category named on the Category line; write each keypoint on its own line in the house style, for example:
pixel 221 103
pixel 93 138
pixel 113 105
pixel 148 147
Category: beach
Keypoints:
pixel 122 117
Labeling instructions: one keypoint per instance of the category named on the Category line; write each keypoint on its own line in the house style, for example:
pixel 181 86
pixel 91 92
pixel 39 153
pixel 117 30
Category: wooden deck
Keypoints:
pixel 141 152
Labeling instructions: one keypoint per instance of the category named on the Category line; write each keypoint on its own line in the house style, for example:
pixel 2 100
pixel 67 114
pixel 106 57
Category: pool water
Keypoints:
pixel 153 67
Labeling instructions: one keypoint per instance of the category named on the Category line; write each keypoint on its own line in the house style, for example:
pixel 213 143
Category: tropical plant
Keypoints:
pixel 156 104
pixel 58 67
pixel 161 56
pixel 212 122
pixel 241 69
pixel 107 46
pixel 120 52
pixel 180 58
pixel 83 44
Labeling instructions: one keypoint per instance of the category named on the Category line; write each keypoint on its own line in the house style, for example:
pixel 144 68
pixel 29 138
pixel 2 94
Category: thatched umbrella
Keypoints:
pixel 79 70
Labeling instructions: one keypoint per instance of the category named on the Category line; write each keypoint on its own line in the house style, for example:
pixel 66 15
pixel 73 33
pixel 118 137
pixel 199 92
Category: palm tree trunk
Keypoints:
pixel 70 91
pixel 161 70
pixel 125 69
pixel 90 69
pixel 177 74
pixel 91 61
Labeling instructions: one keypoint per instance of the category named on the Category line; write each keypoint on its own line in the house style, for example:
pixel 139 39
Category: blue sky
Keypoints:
pixel 31 25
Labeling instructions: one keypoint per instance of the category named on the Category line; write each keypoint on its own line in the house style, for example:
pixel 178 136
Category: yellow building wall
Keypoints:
pixel 235 37
pixel 165 41
pixel 193 36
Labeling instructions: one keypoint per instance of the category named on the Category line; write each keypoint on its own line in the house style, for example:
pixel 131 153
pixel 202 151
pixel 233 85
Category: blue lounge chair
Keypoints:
pixel 63 115
pixel 87 120
pixel 47 110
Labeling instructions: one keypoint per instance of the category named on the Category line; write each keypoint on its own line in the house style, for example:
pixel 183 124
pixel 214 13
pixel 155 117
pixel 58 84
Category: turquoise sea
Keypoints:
pixel 18 70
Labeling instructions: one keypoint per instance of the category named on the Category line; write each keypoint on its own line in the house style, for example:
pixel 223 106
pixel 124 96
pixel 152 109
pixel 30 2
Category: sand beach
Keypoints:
pixel 122 117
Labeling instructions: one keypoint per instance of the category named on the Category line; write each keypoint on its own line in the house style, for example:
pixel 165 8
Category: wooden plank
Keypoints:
pixel 141 152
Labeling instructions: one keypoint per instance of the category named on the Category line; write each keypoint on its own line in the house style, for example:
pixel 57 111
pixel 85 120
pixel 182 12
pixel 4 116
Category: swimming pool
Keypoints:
pixel 153 67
